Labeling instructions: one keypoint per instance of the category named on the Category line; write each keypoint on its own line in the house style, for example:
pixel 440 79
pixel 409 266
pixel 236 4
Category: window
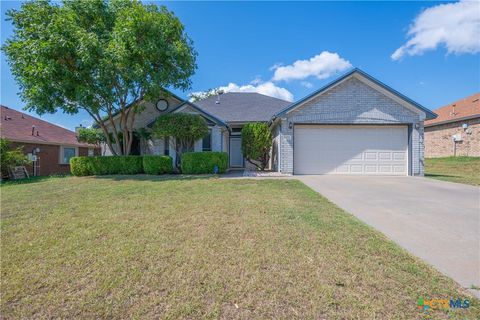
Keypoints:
pixel 66 153
pixel 166 146
pixel 236 131
pixel 91 152
pixel 207 142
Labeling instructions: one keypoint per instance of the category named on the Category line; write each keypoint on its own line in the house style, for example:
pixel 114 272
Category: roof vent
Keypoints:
pixel 33 130
pixel 453 114
pixel 219 92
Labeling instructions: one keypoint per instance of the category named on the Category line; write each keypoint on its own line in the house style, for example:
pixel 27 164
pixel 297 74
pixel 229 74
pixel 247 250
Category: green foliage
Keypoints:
pixel 198 96
pixel 185 128
pixel 97 55
pixel 157 164
pixel 86 166
pixel 91 136
pixel 10 158
pixel 143 134
pixel 182 126
pixel 204 162
pixel 256 144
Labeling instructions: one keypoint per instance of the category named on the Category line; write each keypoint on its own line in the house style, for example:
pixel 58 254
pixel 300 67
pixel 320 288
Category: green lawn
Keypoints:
pixel 454 169
pixel 147 247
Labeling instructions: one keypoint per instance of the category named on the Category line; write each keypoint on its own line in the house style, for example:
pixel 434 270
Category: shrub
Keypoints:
pixel 256 144
pixel 204 162
pixel 157 164
pixel 80 166
pixel 84 166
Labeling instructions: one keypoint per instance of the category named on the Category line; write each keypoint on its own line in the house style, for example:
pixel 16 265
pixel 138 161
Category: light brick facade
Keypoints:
pixel 439 142
pixel 351 102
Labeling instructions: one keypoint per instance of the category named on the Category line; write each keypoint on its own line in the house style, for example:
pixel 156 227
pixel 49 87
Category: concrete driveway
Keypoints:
pixel 434 220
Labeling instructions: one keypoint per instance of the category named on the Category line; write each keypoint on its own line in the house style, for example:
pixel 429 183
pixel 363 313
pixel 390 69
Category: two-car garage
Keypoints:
pixel 355 125
pixel 350 149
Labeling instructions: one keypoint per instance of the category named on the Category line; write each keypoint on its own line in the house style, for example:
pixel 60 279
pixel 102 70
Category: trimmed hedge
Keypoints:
pixel 204 162
pixel 157 164
pixel 86 166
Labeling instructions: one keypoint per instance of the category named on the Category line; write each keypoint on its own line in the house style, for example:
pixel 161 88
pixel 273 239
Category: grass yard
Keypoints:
pixel 455 169
pixel 148 247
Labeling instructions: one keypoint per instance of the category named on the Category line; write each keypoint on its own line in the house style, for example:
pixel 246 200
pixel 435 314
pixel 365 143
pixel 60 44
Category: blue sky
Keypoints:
pixel 256 44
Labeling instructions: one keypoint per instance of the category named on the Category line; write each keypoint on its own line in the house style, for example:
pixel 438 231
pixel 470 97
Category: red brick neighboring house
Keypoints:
pixel 52 145
pixel 456 130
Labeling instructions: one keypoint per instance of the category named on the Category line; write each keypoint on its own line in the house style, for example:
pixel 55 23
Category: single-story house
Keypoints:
pixel 456 130
pixel 49 145
pixel 354 125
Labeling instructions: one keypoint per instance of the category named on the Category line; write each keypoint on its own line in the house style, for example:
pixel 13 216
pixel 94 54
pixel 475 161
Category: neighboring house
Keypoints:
pixel 354 125
pixel 52 146
pixel 456 130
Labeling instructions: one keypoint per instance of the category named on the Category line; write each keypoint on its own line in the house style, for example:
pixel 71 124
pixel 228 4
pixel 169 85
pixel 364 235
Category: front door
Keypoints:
pixel 236 156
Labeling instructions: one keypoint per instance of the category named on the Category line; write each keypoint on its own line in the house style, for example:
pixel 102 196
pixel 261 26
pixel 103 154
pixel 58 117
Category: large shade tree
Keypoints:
pixel 104 57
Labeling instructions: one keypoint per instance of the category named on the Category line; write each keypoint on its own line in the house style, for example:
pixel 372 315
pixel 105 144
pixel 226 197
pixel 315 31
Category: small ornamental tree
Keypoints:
pixel 184 128
pixel 91 136
pixel 256 144
pixel 10 157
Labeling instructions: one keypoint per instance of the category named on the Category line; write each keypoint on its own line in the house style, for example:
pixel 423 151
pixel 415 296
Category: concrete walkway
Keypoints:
pixel 434 220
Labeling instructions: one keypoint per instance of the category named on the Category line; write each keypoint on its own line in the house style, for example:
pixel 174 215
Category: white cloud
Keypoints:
pixel 454 25
pixel 275 66
pixel 321 66
pixel 306 84
pixel 267 88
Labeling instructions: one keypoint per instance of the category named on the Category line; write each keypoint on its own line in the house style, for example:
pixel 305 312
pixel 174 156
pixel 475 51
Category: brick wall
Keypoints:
pixel 439 143
pixel 49 158
pixel 351 102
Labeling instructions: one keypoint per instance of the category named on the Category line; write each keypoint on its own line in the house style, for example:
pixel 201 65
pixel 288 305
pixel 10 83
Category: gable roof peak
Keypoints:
pixel 345 76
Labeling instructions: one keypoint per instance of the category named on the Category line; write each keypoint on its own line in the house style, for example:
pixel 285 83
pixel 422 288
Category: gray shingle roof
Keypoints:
pixel 242 106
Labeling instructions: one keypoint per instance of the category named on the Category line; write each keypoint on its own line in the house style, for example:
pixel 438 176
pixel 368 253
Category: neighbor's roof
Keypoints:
pixel 465 108
pixel 17 126
pixel 242 106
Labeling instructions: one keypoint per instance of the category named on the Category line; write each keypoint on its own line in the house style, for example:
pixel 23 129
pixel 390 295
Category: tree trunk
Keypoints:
pixel 115 135
pixel 107 137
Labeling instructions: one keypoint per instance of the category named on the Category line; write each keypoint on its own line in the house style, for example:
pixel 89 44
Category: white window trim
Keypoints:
pixel 60 160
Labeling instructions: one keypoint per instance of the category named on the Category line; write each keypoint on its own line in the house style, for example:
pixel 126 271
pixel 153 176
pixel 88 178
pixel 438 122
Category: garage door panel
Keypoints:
pixel 350 149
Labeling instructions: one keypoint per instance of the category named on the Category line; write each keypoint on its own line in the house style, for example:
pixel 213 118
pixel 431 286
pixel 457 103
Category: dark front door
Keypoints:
pixel 135 149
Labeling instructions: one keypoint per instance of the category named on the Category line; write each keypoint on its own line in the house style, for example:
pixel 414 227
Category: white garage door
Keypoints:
pixel 350 149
